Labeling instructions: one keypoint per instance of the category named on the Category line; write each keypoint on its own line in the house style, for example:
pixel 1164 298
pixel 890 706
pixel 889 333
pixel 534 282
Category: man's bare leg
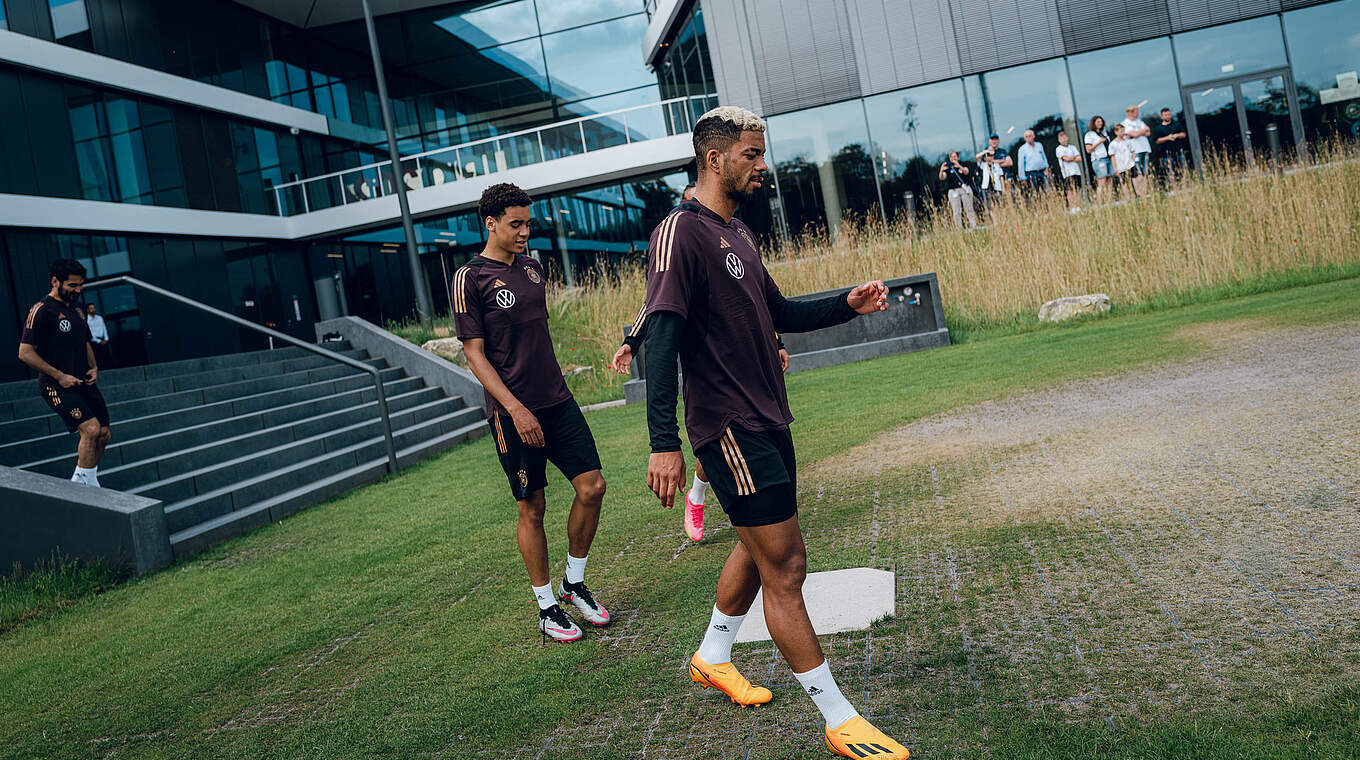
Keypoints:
pixel 533 542
pixel 781 562
pixel 585 512
pixel 89 449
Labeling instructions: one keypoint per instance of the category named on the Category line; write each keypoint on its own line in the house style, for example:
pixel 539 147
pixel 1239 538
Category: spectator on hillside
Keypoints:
pixel 1136 131
pixel 1069 165
pixel 1033 172
pixel 1000 155
pixel 993 179
pixel 1097 147
pixel 1125 164
pixel 99 335
pixel 954 175
pixel 1169 141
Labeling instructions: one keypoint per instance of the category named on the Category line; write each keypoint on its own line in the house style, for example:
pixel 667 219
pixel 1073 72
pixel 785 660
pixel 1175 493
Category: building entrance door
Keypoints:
pixel 1233 118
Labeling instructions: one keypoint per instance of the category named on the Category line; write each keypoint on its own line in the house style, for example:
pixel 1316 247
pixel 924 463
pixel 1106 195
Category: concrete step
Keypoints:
pixel 34 408
pixel 202 535
pixel 240 484
pixel 326 395
pixel 22 388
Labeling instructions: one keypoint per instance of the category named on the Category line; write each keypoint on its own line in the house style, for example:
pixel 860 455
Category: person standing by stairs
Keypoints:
pixel 501 315
pixel 56 343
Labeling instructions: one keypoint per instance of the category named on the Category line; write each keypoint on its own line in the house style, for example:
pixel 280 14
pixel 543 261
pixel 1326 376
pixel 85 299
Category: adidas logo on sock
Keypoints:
pixel 721 627
pixel 814 691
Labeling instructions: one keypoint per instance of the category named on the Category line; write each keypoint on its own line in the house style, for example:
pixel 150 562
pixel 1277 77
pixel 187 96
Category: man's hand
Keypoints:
pixel 783 360
pixel 666 475
pixel 68 381
pixel 869 297
pixel 526 424
pixel 91 376
pixel 622 358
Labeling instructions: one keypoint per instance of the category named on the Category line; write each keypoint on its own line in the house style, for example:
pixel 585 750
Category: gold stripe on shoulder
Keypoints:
pixel 32 315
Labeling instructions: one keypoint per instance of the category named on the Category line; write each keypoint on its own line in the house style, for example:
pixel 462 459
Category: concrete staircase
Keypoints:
pixel 232 442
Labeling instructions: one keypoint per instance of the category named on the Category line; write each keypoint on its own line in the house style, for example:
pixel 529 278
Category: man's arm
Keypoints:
pixel 666 468
pixel 805 316
pixel 29 355
pixel 92 375
pixel 526 424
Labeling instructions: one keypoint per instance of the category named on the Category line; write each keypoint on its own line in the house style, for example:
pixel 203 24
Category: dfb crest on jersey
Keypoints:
pixel 504 298
pixel 64 325
pixel 735 267
pixel 533 275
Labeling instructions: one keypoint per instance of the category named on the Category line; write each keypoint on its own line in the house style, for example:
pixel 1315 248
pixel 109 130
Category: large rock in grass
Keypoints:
pixel 447 348
pixel 1074 306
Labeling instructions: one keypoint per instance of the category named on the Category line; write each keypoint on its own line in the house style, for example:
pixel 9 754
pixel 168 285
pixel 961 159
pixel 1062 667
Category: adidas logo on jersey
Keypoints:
pixel 722 242
pixel 499 283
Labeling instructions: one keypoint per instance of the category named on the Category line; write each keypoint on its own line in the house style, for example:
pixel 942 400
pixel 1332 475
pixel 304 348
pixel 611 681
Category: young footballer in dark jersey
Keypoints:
pixel 56 343
pixel 500 312
pixel 711 303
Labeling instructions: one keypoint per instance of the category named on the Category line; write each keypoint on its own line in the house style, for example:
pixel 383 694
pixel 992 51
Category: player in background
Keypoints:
pixel 56 343
pixel 500 312
pixel 711 304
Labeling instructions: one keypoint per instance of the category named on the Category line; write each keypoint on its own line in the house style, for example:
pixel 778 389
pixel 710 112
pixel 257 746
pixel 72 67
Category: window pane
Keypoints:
pixel 1230 50
pixel 493 24
pixel 914 131
pixel 94 175
pixel 68 18
pixel 556 15
pixel 1147 76
pixel 597 59
pixel 1034 96
pixel 822 160
pixel 129 161
pixel 1325 52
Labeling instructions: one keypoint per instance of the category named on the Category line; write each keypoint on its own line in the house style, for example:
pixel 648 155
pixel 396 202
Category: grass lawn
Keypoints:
pixel 397 622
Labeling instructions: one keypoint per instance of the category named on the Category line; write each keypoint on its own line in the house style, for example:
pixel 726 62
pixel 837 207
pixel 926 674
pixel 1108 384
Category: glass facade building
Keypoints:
pixel 883 151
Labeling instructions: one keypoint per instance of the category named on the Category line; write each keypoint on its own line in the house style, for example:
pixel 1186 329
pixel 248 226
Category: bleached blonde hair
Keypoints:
pixel 721 127
pixel 739 117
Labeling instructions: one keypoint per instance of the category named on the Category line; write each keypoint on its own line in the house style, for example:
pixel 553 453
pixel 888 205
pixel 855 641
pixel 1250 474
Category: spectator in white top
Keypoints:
pixel 993 178
pixel 1136 131
pixel 1069 166
pixel 99 335
pixel 1033 172
pixel 1125 165
pixel 1097 147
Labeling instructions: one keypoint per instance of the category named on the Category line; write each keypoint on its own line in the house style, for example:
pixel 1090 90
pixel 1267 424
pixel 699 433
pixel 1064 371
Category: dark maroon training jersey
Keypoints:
pixel 507 306
pixel 709 272
pixel 59 334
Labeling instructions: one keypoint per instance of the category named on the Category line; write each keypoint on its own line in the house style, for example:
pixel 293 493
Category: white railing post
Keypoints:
pixel 582 125
pixel 344 197
pixel 627 138
pixel 541 155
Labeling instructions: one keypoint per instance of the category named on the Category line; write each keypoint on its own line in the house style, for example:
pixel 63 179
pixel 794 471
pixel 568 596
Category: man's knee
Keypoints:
pixel 531 509
pixel 89 430
pixel 590 489
pixel 788 576
pixel 104 436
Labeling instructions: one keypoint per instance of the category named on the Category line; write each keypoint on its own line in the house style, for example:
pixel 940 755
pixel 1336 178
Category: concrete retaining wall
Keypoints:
pixel 914 321
pixel 41 515
pixel 399 352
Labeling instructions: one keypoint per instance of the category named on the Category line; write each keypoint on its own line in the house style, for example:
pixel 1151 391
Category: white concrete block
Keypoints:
pixel 837 600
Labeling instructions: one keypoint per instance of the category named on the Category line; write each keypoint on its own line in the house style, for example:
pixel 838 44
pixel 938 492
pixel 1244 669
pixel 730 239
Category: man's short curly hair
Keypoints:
pixel 722 126
pixel 497 198
pixel 64 268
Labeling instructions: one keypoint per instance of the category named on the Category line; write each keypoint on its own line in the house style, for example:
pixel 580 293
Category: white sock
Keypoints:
pixel 88 475
pixel 544 595
pixel 819 685
pixel 696 494
pixel 576 568
pixel 716 648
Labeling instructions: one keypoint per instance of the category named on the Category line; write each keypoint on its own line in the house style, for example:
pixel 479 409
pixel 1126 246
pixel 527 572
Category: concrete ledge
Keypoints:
pixel 43 515
pixel 837 601
pixel 399 352
pixel 914 321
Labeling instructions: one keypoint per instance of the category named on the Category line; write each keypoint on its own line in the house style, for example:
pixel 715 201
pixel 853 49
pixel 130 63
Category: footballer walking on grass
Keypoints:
pixel 500 312
pixel 56 344
pixel 711 305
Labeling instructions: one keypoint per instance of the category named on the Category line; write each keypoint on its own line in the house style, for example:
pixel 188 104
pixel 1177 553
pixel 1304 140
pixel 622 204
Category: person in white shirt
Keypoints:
pixel 1069 165
pixel 1136 131
pixel 1125 165
pixel 993 178
pixel 1097 147
pixel 99 335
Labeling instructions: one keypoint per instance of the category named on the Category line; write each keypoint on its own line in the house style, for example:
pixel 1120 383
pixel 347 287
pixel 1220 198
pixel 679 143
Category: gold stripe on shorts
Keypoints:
pixel 500 436
pixel 737 463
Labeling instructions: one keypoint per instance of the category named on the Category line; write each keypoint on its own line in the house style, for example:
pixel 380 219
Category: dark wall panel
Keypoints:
pixel 29 17
pixel 16 155
pixel 49 137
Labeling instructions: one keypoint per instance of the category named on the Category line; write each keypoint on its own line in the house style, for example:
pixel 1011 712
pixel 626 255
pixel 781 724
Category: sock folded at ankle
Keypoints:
pixel 544 596
pixel 576 569
pixel 821 687
pixel 696 492
pixel 716 648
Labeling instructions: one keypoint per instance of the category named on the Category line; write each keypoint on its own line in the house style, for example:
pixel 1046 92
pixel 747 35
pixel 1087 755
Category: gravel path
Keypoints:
pixel 1172 541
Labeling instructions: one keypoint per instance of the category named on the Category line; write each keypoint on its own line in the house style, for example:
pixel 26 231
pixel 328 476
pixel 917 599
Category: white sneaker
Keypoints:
pixel 555 624
pixel 84 478
pixel 579 595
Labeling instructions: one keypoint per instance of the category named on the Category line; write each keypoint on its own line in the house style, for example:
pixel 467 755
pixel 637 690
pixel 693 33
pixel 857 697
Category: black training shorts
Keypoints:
pixel 753 474
pixel 76 404
pixel 568 444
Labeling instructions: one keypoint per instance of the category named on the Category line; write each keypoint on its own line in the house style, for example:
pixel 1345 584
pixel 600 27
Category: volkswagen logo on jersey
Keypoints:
pixel 504 298
pixel 64 325
pixel 735 267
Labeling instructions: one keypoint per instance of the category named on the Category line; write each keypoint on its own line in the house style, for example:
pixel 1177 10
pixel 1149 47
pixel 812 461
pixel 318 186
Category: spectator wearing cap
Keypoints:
pixel 1136 131
pixel 1033 172
pixel 999 155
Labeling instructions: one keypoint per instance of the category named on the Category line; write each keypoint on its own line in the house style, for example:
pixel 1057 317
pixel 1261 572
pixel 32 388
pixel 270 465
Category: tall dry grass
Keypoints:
pixel 1222 227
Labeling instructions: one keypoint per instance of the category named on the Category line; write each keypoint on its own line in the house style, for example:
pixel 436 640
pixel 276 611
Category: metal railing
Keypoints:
pixel 275 335
pixel 489 155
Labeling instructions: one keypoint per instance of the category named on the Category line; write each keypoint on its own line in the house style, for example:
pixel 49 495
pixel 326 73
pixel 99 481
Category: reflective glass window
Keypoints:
pixel 556 15
pixel 1324 49
pixel 821 157
pixel 491 24
pixel 1145 77
pixel 70 24
pixel 4 22
pixel 1230 50
pixel 597 59
pixel 1034 96
pixel 913 132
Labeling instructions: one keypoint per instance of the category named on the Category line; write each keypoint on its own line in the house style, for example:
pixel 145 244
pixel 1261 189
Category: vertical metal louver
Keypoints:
pixel 997 33
pixel 1088 25
pixel 1193 14
pixel 805 53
